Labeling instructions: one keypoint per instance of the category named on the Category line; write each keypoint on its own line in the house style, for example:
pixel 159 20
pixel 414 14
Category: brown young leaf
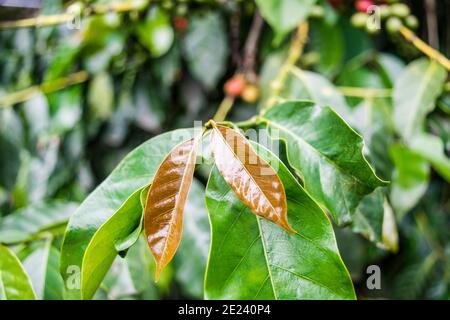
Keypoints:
pixel 253 180
pixel 163 213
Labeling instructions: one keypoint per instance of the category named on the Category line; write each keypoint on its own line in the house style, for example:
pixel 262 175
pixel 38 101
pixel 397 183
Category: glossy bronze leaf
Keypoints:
pixel 253 180
pixel 163 213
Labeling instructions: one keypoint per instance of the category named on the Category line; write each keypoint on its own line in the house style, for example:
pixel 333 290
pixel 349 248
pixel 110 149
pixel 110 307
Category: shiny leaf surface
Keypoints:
pixel 163 213
pixel 102 251
pixel 14 282
pixel 253 180
pixel 134 172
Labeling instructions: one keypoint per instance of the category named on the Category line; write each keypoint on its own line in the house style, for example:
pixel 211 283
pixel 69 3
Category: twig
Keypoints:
pixel 235 28
pixel 224 107
pixel 96 9
pixel 425 48
pixel 295 53
pixel 432 27
pixel 365 92
pixel 251 45
pixel 46 87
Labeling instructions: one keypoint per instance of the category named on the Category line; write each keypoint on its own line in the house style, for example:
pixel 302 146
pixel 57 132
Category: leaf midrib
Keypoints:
pixel 243 166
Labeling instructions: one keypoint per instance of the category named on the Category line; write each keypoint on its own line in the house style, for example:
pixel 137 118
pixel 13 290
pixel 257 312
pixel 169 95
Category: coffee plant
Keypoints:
pixel 224 149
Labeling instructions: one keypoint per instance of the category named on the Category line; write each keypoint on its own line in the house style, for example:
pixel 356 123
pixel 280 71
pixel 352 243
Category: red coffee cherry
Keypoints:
pixel 180 23
pixel 363 5
pixel 234 86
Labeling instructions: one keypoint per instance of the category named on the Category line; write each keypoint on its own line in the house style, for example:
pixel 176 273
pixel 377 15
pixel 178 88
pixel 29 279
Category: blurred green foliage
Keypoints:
pixel 148 75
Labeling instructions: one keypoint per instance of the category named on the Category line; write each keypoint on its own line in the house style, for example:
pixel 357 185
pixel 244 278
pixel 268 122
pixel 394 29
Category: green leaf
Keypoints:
pixel 252 258
pixel 205 48
pixel 134 172
pixel 42 267
pixel 156 32
pixel 308 85
pixel 369 215
pixel 432 148
pixel 192 254
pixel 326 153
pixel 101 251
pixel 415 93
pixel 372 118
pixel 410 178
pixel 142 266
pixel 327 40
pixel 284 16
pixel 101 96
pixel 27 223
pixel 14 282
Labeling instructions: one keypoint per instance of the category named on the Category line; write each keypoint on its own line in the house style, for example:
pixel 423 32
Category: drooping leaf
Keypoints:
pixel 122 244
pixel 163 212
pixel 326 153
pixel 253 180
pixel 134 172
pixel 410 178
pixel 415 93
pixel 284 16
pixel 14 282
pixel 252 258
pixel 101 251
pixel 26 223
pixel 42 268
pixel 205 48
pixel 156 33
pixel 192 255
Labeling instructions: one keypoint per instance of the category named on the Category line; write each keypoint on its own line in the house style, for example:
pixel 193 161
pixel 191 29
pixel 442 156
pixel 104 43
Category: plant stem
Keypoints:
pixel 46 87
pixel 365 92
pixel 96 9
pixel 251 45
pixel 224 107
pixel 425 48
pixel 295 52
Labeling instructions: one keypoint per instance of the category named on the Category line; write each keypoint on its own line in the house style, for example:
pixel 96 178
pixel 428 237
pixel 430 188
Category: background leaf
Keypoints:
pixel 336 174
pixel 205 48
pixel 415 93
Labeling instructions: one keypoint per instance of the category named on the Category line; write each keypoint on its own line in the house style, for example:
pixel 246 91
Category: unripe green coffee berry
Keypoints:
pixel 385 11
pixel 400 10
pixel 181 9
pixel 359 20
pixel 372 29
pixel 167 4
pixel 393 24
pixel 412 22
pixel 317 12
